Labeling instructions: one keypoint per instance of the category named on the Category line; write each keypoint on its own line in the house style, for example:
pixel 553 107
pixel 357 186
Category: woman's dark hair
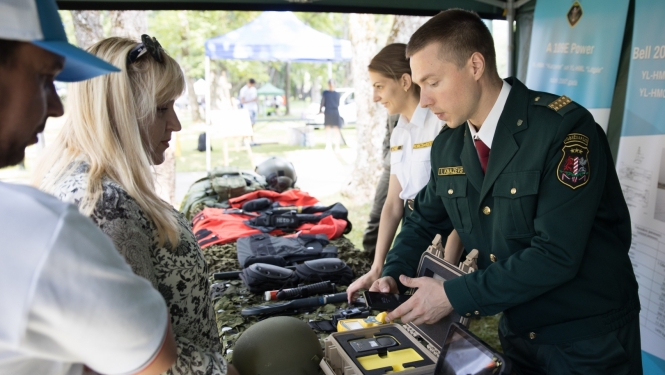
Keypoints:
pixel 7 49
pixel 391 62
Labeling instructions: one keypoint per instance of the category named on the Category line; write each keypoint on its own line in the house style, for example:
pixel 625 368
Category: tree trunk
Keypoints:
pixel 164 175
pixel 129 24
pixel 87 27
pixel 404 27
pixel 370 125
pixel 184 50
pixel 220 97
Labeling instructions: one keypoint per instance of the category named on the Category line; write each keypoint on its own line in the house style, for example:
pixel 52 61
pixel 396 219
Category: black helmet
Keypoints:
pixel 279 173
pixel 281 345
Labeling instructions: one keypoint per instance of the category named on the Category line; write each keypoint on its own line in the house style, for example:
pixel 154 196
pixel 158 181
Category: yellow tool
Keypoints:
pixel 370 321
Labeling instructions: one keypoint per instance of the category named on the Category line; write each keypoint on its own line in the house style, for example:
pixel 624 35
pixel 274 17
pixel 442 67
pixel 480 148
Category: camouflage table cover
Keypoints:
pixel 230 297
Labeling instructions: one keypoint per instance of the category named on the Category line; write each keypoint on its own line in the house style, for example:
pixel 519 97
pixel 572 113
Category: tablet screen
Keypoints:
pixel 462 355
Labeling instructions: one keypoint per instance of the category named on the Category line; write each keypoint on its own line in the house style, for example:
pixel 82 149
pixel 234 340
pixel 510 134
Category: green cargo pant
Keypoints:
pixel 617 352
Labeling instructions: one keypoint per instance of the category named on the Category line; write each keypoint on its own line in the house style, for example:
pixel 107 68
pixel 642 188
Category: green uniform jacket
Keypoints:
pixel 548 218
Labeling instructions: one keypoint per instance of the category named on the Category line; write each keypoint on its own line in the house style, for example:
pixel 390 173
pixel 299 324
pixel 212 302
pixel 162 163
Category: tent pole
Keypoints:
pixel 510 17
pixel 208 105
pixel 510 6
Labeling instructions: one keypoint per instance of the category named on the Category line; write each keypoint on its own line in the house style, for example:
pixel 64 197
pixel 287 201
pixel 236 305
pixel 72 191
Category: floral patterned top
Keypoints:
pixel 180 275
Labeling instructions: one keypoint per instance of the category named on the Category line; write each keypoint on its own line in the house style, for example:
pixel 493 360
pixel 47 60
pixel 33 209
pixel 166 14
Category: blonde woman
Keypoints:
pixel 119 126
pixel 411 140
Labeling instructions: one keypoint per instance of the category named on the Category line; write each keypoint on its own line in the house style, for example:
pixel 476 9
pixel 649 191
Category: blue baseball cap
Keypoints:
pixel 38 22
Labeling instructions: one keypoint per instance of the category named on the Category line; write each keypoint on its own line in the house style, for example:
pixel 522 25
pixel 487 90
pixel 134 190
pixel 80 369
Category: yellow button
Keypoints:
pixel 519 122
pixel 537 98
pixel 486 210
pixel 468 314
pixel 493 257
pixel 476 312
pixel 532 335
pixel 450 191
pixel 513 191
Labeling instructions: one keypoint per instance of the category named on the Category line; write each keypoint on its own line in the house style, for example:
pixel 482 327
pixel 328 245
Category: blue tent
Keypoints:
pixel 278 36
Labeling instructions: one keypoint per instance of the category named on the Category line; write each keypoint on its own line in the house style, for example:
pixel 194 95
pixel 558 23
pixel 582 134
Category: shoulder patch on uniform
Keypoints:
pixel 422 145
pixel 559 103
pixel 449 171
pixel 574 169
pixel 395 148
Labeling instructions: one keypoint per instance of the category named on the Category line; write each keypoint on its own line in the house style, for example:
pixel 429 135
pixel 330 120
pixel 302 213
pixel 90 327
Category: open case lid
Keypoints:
pixel 464 353
pixel 437 268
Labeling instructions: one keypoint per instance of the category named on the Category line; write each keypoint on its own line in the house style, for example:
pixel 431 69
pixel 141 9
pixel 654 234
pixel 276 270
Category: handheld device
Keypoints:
pixel 464 353
pixel 384 301
pixel 373 343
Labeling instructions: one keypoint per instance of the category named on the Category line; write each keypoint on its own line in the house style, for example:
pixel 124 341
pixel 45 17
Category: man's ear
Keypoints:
pixel 406 81
pixel 478 65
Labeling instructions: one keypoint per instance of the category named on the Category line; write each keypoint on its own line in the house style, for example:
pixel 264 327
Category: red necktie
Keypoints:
pixel 483 153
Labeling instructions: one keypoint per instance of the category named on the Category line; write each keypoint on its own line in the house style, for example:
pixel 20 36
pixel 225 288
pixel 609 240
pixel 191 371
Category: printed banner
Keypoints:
pixel 641 169
pixel 575 49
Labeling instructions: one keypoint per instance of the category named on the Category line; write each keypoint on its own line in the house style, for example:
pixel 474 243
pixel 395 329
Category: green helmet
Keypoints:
pixel 279 173
pixel 280 345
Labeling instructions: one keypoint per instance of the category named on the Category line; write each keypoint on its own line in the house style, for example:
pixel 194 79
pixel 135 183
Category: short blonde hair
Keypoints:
pixel 106 126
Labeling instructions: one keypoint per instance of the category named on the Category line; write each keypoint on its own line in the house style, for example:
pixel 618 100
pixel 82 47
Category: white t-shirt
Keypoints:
pixel 246 94
pixel 410 147
pixel 67 297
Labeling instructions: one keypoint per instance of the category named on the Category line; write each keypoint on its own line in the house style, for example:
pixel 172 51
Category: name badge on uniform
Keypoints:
pixel 395 148
pixel 449 171
pixel 422 145
pixel 574 169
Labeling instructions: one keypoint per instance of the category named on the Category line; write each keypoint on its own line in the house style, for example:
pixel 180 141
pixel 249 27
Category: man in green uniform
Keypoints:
pixel 527 179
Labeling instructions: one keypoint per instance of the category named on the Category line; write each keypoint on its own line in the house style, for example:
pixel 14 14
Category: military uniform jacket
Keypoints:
pixel 548 218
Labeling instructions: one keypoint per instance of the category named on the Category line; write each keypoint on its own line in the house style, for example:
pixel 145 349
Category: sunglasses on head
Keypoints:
pixel 148 45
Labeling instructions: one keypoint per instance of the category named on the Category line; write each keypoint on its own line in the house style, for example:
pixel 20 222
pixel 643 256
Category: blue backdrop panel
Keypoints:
pixel 575 49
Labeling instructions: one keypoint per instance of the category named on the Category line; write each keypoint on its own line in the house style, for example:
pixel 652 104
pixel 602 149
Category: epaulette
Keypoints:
pixel 560 105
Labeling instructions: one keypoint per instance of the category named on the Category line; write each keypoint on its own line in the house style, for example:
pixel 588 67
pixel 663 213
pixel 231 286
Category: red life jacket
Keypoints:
pixel 213 226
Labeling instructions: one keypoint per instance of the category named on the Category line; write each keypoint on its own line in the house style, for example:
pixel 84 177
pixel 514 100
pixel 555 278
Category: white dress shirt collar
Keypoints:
pixel 417 118
pixel 486 132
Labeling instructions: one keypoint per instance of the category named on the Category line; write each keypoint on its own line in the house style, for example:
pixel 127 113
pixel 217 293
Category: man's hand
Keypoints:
pixel 384 285
pixel 429 303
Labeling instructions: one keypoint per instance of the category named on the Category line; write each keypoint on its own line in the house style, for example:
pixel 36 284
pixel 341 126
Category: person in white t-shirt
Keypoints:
pixel 410 146
pixel 68 300
pixel 249 99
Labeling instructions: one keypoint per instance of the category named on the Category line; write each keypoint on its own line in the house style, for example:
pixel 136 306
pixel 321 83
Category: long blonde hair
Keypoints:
pixel 106 117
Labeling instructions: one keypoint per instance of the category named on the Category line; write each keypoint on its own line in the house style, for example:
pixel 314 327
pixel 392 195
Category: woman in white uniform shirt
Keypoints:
pixel 410 146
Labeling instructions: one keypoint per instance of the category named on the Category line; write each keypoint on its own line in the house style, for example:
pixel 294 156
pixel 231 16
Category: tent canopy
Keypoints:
pixel 278 36
pixel 491 9
pixel 269 89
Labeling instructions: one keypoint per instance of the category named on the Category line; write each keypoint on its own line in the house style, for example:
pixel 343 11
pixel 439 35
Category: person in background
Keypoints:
pixel 119 127
pixel 332 120
pixel 249 99
pixel 410 147
pixel 68 300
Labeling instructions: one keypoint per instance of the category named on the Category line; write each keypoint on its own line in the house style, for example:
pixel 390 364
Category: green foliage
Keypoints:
pixel 183 33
